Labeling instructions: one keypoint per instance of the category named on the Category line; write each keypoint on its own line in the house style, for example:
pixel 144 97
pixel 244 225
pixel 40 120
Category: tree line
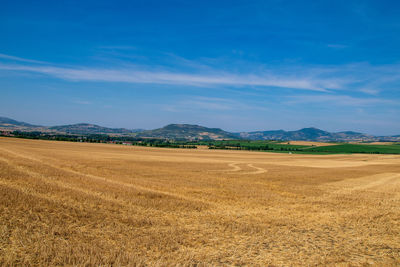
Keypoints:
pixel 98 138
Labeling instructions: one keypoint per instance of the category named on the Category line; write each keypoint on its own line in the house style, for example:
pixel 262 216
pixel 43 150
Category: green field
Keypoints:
pixel 277 146
pixel 355 148
pixel 249 145
pixel 255 145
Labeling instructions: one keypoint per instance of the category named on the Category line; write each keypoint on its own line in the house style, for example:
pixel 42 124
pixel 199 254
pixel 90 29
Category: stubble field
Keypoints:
pixel 96 204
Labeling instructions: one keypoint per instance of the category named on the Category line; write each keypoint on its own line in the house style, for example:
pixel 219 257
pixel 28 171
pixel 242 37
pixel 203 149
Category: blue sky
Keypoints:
pixel 237 65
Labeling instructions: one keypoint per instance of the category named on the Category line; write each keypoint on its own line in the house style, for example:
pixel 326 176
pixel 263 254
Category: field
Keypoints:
pixel 310 143
pixel 358 148
pixel 64 203
pixel 303 147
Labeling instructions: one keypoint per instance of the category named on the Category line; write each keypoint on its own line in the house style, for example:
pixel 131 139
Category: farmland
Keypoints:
pixel 71 203
pixel 358 148
pixel 305 147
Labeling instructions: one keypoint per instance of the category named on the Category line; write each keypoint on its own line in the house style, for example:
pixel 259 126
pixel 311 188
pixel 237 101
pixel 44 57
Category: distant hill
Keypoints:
pixel 86 128
pixel 195 132
pixel 10 123
pixel 306 134
pixel 187 132
pixel 7 124
pixel 80 128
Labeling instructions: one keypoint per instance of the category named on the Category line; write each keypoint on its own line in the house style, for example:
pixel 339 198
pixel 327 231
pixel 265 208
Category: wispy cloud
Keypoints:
pixel 369 91
pixel 82 102
pixel 211 103
pixel 20 59
pixel 159 77
pixel 360 77
pixel 203 76
pixel 338 100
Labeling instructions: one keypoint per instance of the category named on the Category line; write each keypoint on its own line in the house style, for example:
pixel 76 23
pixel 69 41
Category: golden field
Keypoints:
pixel 97 204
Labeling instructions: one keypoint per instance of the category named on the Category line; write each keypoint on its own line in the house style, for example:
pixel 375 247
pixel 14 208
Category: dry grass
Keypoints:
pixel 309 143
pixel 93 204
pixel 379 143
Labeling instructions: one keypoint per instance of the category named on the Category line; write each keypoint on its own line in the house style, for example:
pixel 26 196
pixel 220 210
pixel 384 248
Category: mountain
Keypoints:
pixel 86 128
pixel 349 135
pixel 262 135
pixel 195 132
pixel 7 124
pixel 187 132
pixel 10 123
pixel 306 134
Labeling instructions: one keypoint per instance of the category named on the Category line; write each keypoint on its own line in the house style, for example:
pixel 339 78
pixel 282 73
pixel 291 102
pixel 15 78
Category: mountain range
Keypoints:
pixel 308 134
pixel 194 132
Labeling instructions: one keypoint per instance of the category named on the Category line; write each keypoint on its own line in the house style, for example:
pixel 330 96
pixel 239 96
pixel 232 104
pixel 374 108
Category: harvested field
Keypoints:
pixel 309 143
pixel 380 143
pixel 96 204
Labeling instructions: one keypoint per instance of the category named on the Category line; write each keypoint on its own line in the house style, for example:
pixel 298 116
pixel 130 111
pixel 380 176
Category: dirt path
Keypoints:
pixel 234 167
pixel 259 170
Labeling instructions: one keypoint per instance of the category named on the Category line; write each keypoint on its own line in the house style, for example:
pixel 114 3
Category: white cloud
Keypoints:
pixel 160 77
pixel 360 77
pixel 369 91
pixel 82 102
pixel 211 103
pixel 8 57
pixel 338 100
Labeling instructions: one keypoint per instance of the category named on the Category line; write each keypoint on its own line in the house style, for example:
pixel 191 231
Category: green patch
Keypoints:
pixel 354 148
pixel 277 146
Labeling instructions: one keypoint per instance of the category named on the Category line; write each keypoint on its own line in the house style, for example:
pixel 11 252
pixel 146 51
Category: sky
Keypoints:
pixel 236 65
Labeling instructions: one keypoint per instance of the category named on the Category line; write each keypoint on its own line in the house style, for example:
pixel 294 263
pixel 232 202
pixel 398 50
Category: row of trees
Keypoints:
pixel 254 148
pixel 99 138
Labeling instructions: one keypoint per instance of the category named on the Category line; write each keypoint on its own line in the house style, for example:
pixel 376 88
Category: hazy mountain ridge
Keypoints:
pixel 308 134
pixel 188 132
pixel 7 122
pixel 86 128
pixel 196 132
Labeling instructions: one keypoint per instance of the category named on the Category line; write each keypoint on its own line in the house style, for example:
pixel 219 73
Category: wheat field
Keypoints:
pixel 100 204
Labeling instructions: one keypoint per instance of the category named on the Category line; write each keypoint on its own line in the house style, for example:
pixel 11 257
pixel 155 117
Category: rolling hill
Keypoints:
pixel 10 123
pixel 187 132
pixel 195 132
pixel 7 124
pixel 86 128
pixel 307 134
